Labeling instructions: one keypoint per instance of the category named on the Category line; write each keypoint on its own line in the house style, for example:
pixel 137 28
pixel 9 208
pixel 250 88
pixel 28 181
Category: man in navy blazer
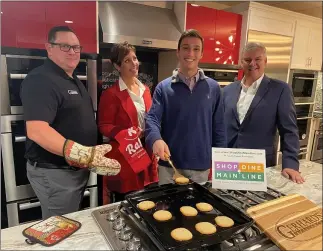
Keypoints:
pixel 256 107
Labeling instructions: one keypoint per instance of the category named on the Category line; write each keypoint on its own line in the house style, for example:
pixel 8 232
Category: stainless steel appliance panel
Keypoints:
pixel 304 126
pixel 317 149
pixel 303 84
pixel 278 53
pixel 224 77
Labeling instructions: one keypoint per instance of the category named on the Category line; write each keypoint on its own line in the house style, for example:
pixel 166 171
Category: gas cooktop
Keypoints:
pixel 123 228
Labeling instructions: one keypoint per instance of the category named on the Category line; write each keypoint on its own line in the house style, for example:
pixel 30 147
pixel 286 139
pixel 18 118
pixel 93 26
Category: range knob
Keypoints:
pixel 118 224
pixel 113 215
pixel 134 244
pixel 125 234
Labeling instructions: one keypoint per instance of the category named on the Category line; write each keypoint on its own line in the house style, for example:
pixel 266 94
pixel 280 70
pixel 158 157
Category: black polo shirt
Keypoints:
pixel 49 94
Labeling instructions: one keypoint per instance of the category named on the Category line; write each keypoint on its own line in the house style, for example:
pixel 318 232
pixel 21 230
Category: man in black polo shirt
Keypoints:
pixel 61 128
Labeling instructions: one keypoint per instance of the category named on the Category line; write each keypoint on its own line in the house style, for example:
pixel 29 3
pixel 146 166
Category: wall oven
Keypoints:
pixel 304 110
pixel 18 191
pixel 317 148
pixel 304 126
pixel 21 203
pixel 14 69
pixel 223 76
pixel 303 84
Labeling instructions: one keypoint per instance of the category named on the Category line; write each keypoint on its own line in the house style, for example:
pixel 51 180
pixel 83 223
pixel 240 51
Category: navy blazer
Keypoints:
pixel 272 108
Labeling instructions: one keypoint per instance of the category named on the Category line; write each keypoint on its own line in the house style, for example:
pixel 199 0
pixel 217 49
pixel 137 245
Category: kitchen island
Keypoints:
pixel 89 237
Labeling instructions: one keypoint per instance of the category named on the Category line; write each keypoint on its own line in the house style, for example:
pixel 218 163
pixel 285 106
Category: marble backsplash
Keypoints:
pixel 318 95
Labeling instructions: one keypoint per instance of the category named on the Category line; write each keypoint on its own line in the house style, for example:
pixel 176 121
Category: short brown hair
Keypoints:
pixel 120 51
pixel 190 33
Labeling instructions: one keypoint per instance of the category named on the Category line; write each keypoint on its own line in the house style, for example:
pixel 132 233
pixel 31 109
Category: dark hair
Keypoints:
pixel 120 51
pixel 52 33
pixel 190 33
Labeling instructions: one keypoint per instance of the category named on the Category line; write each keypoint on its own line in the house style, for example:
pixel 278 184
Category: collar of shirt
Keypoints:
pixel 59 70
pixel 179 77
pixel 123 86
pixel 255 85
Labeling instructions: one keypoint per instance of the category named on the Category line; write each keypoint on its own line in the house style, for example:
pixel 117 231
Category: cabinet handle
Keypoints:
pixel 310 61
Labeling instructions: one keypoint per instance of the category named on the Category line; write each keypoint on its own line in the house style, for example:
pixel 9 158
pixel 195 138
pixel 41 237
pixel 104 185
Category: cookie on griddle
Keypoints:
pixel 204 207
pixel 146 205
pixel 188 211
pixel 181 234
pixel 205 228
pixel 182 180
pixel 162 215
pixel 224 221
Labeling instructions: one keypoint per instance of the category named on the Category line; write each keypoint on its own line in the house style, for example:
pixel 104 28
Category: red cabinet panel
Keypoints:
pixel 203 20
pixel 221 31
pixel 25 24
pixel 227 37
pixel 8 24
pixel 31 26
pixel 83 16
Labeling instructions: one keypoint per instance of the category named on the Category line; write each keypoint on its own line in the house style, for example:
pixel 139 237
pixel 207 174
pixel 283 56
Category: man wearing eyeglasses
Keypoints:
pixel 61 129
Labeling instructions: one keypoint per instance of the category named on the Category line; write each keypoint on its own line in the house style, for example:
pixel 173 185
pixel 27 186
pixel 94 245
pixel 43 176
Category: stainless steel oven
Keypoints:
pixel 304 110
pixel 317 149
pixel 223 76
pixel 14 69
pixel 19 194
pixel 304 126
pixel 303 84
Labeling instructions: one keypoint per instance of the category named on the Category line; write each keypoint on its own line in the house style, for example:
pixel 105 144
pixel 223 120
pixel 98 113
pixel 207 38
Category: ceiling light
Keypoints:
pixel 68 22
pixel 217 42
pixel 217 49
pixel 217 59
pixel 220 52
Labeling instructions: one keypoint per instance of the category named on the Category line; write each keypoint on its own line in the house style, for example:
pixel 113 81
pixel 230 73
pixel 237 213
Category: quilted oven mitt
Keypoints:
pixel 92 158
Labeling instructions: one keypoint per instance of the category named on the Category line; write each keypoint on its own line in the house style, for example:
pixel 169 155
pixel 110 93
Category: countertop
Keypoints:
pixel 89 237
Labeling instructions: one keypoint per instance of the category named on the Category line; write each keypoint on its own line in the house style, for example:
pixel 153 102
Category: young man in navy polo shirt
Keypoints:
pixel 187 116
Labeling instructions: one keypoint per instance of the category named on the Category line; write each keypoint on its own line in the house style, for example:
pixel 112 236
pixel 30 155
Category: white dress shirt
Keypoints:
pixel 246 96
pixel 138 101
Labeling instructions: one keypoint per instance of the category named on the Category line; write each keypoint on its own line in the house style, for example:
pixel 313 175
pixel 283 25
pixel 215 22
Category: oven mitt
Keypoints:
pixel 91 157
pixel 51 231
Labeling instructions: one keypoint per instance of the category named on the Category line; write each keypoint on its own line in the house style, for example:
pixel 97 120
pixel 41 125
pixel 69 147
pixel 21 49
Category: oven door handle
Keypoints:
pixel 17 76
pixel 29 205
pixel 81 77
pixel 305 78
pixel 19 139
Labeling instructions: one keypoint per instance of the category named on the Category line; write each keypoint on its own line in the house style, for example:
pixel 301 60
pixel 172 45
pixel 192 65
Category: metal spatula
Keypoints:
pixel 176 173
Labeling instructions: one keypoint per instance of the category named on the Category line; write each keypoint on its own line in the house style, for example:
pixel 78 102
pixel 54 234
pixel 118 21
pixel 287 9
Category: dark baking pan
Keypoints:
pixel 171 197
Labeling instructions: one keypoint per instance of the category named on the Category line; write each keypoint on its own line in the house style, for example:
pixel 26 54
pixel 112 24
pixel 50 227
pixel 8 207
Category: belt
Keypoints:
pixel 51 166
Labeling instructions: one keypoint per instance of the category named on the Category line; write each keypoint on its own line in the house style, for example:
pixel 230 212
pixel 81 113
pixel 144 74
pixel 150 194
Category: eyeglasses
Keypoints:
pixel 66 47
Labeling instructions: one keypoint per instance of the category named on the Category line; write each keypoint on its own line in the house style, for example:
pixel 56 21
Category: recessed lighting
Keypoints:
pixel 195 5
pixel 1 12
pixel 217 42
pixel 68 22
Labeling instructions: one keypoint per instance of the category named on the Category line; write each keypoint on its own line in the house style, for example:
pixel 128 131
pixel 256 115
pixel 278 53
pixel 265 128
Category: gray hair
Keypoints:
pixel 253 46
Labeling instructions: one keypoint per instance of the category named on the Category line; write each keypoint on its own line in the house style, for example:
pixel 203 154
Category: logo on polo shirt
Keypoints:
pixel 72 92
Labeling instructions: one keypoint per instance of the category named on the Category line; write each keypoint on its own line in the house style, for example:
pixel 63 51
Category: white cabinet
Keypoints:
pixel 307 48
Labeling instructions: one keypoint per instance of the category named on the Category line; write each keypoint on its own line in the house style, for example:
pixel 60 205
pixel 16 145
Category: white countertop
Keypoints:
pixel 89 237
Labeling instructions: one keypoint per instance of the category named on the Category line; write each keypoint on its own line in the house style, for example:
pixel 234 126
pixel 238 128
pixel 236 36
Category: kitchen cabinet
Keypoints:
pixel 81 16
pixel 307 48
pixel 203 19
pixel 8 24
pixel 227 37
pixel 25 24
pixel 221 31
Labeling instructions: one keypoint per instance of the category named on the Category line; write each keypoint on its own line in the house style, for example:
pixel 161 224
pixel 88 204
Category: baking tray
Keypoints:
pixel 171 197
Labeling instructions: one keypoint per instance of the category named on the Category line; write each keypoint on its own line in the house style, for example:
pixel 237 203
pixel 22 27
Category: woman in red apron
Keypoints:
pixel 121 114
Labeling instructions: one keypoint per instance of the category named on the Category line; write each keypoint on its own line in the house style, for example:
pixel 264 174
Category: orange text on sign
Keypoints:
pixel 251 167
